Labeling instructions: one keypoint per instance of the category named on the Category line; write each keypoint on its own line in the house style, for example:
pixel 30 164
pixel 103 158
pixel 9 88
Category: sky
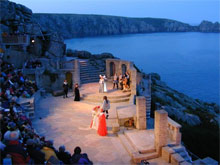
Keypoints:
pixel 188 11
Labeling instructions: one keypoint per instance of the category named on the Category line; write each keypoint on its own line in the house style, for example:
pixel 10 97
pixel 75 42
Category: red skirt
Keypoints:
pixel 102 128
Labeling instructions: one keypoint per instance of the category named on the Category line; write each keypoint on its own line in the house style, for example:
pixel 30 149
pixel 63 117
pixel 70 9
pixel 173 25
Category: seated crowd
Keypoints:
pixel 19 142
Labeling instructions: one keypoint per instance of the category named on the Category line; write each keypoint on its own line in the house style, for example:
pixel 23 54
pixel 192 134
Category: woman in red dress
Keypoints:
pixel 102 127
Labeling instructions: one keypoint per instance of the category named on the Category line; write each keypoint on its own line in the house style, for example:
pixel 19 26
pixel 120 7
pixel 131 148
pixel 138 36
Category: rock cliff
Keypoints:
pixel 78 25
pixel 182 107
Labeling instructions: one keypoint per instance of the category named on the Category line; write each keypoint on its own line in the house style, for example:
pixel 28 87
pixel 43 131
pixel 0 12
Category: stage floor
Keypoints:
pixel 67 123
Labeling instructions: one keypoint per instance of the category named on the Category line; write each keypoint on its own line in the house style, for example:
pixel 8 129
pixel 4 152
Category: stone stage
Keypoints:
pixel 67 123
pixel 90 93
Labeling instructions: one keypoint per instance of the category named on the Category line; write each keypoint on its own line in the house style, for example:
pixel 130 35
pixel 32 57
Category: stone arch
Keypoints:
pixel 123 69
pixel 69 78
pixel 112 68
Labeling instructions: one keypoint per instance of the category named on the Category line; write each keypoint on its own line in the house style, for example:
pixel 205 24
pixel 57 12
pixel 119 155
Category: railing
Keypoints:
pixel 174 131
pixel 16 39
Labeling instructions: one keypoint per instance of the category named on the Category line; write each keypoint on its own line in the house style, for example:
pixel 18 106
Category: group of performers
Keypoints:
pixel 99 116
pixel 122 80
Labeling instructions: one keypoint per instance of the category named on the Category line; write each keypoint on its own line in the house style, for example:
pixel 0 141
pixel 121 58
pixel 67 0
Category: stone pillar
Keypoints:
pixel 141 112
pixel 133 77
pixel 160 129
pixel 76 77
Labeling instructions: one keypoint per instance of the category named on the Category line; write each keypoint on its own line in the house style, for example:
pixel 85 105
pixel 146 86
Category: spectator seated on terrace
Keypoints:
pixel 78 158
pixel 63 156
pixel 33 149
pixel 20 144
pixel 49 150
pixel 32 64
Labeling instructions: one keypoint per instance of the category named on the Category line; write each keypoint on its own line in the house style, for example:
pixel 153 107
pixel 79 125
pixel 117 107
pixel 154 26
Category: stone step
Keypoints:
pixel 178 149
pixel 89 75
pixel 109 97
pixel 88 81
pixel 111 100
pixel 86 72
pixel 197 162
pixel 129 148
pixel 137 157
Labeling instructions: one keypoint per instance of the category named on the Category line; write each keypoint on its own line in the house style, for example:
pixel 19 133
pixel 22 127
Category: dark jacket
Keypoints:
pixel 37 156
pixel 80 159
pixel 64 157
pixel 65 87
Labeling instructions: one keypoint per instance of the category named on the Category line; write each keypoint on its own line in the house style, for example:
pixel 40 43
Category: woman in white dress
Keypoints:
pixel 95 117
pixel 105 85
pixel 101 84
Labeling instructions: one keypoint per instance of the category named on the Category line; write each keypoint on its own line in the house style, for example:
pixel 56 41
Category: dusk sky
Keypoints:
pixel 188 11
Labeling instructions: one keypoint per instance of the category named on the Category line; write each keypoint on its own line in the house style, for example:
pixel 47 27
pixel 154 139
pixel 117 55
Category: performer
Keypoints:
pixel 115 81
pixel 101 84
pixel 105 83
pixel 106 106
pixel 65 89
pixel 95 119
pixel 77 94
pixel 102 127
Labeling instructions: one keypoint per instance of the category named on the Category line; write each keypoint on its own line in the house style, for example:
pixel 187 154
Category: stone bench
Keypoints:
pixel 58 93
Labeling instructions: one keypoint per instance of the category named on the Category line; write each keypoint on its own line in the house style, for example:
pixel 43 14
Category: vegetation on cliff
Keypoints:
pixel 199 120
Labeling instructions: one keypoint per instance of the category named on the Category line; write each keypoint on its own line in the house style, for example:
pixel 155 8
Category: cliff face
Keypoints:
pixel 182 107
pixel 207 26
pixel 75 25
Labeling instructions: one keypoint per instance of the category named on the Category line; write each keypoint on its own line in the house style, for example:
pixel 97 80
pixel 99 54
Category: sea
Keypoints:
pixel 188 62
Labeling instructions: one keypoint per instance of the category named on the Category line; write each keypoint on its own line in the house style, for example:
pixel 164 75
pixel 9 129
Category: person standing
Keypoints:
pixel 101 84
pixel 65 89
pixel 115 81
pixel 106 106
pixel 105 84
pixel 76 91
pixel 128 78
pixel 102 127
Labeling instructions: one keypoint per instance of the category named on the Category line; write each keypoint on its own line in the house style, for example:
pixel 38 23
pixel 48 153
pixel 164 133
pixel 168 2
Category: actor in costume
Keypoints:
pixel 102 127
pixel 105 83
pixel 65 89
pixel 77 94
pixel 106 105
pixel 101 84
pixel 95 118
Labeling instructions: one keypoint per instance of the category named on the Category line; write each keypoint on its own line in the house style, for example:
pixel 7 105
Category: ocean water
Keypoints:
pixel 187 62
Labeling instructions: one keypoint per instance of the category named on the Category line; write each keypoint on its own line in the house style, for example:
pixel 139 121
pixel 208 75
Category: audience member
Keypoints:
pixel 78 158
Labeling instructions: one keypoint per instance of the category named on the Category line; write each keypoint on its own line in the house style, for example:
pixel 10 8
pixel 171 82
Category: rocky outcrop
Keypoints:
pixel 76 25
pixel 182 107
pixel 207 26
pixel 14 13
pixel 16 22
